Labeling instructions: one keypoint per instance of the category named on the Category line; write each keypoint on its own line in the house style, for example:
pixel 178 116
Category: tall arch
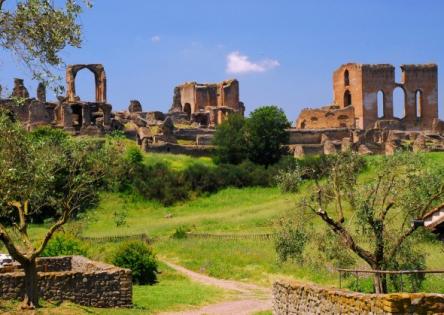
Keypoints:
pixel 346 78
pixel 347 98
pixel 99 76
pixel 418 103
pixel 381 104
pixel 187 109
pixel 399 102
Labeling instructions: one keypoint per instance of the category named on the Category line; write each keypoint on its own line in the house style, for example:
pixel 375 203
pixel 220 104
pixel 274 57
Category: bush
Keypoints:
pixel 138 257
pixel 64 245
pixel 289 181
pixel 180 233
pixel 230 142
pixel 159 182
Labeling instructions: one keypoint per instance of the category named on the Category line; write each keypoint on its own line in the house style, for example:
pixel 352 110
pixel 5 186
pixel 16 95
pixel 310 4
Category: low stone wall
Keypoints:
pixel 76 279
pixel 294 298
pixel 314 136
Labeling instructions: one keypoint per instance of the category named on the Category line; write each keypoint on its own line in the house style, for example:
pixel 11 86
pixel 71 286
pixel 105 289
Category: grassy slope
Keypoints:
pixel 228 211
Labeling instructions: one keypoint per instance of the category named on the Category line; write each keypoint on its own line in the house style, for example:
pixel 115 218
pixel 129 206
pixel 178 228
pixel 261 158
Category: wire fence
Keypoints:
pixel 259 236
pixel 396 280
pixel 119 238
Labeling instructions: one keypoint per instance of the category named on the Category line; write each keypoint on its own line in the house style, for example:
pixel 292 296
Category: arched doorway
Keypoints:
pixel 346 78
pixel 85 85
pixel 187 109
pixel 380 100
pixel 399 102
pixel 347 98
pixel 418 103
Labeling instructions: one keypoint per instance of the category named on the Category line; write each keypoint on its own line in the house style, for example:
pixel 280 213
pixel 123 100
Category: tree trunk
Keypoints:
pixel 380 283
pixel 31 296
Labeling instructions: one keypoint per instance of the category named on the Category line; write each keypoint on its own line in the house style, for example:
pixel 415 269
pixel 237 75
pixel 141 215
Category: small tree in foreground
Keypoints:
pixel 372 216
pixel 265 134
pixel 229 139
pixel 37 175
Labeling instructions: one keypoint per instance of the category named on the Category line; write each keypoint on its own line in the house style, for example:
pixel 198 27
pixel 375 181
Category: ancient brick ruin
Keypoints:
pixel 207 104
pixel 72 278
pixel 68 113
pixel 355 120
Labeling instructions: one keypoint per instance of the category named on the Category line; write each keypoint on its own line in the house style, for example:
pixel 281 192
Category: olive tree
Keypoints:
pixel 36 31
pixel 40 175
pixel 372 215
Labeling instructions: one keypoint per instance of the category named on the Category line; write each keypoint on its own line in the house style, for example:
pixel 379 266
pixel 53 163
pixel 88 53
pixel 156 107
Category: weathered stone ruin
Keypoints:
pixel 355 119
pixel 189 125
pixel 69 113
pixel 206 104
pixel 72 278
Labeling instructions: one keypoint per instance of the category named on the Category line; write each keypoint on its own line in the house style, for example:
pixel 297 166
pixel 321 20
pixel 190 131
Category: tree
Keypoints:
pixel 35 175
pixel 381 208
pixel 231 146
pixel 36 31
pixel 265 134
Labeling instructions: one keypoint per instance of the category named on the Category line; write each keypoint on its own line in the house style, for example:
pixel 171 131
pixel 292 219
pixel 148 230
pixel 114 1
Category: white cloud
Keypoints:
pixel 238 64
pixel 155 39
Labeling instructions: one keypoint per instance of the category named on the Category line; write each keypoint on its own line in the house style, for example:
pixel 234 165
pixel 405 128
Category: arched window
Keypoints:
pixel 347 98
pixel 418 99
pixel 399 102
pixel 187 109
pixel 380 100
pixel 85 85
pixel 346 78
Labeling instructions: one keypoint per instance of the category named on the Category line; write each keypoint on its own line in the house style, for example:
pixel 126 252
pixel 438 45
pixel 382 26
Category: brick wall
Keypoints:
pixel 76 279
pixel 291 298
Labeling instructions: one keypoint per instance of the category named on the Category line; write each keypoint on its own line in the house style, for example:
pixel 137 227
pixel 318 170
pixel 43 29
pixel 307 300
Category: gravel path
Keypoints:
pixel 249 300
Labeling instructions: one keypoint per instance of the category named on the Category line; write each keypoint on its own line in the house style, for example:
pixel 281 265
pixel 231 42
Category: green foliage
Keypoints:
pixel 330 246
pixel 231 146
pixel 138 257
pixel 180 233
pixel 37 31
pixel 290 243
pixel 64 245
pixel 265 134
pixel 289 180
pixel 134 156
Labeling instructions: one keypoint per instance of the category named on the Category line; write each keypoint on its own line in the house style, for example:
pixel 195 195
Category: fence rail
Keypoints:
pixel 402 284
pixel 261 236
pixel 118 238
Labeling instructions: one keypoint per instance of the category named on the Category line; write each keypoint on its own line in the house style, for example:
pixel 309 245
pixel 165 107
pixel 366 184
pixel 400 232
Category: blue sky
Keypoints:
pixel 282 52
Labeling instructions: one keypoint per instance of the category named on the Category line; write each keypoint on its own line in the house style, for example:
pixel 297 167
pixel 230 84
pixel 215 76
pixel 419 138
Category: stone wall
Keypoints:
pixel 326 117
pixel 294 298
pixel 76 279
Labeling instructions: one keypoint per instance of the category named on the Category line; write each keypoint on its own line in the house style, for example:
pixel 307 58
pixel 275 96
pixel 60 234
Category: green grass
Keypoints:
pixel 176 161
pixel 174 292
pixel 230 210
pixel 248 210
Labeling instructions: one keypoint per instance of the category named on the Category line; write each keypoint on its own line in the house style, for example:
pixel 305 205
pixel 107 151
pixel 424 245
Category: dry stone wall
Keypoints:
pixel 76 279
pixel 294 298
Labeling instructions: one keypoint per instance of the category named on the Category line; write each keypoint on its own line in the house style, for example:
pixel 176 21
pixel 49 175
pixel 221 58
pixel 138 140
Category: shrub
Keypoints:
pixel 289 181
pixel 201 178
pixel 180 233
pixel 290 244
pixel 159 182
pixel 64 245
pixel 138 257
pixel 229 139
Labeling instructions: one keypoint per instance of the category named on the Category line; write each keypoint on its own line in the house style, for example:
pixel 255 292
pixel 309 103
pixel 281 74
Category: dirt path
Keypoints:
pixel 249 300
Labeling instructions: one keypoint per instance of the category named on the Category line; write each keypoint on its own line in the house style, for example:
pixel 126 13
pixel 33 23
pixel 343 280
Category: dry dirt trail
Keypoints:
pixel 249 300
